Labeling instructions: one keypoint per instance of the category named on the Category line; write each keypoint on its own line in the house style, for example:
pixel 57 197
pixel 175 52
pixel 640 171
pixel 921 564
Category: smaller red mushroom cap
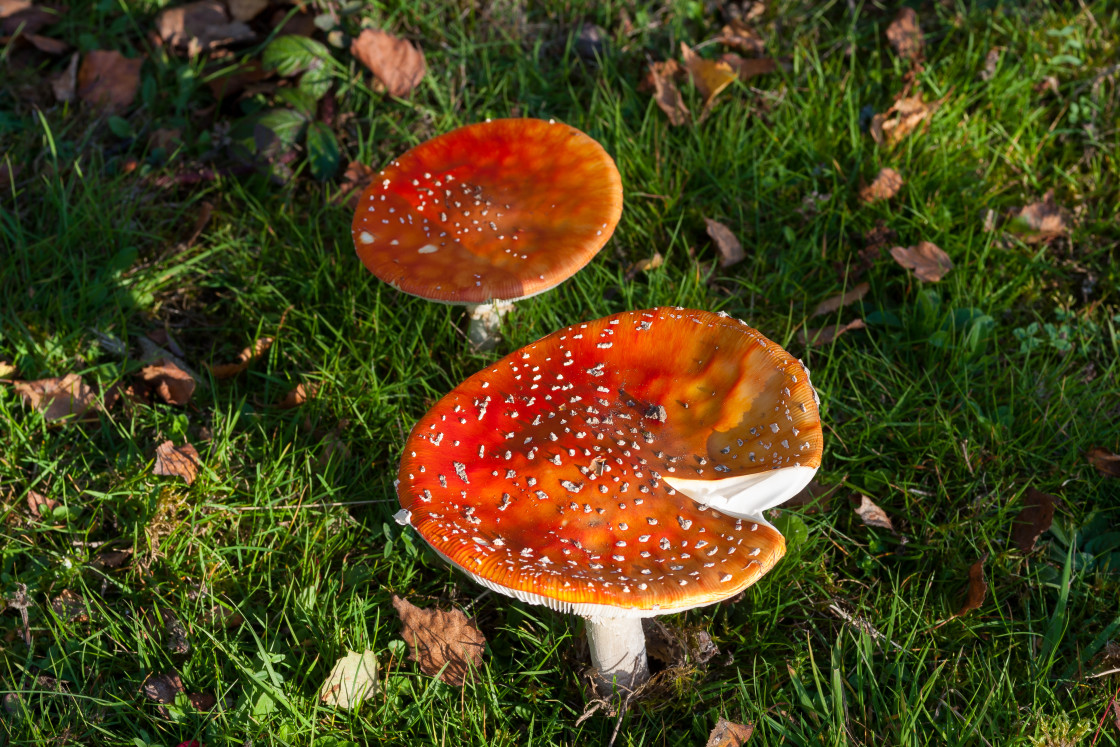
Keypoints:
pixel 499 210
pixel 550 475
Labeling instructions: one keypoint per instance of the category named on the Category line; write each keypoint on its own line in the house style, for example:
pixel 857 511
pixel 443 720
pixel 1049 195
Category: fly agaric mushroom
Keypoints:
pixel 488 214
pixel 595 473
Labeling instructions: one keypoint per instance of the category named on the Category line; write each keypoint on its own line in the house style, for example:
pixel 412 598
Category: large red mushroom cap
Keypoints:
pixel 499 210
pixel 551 475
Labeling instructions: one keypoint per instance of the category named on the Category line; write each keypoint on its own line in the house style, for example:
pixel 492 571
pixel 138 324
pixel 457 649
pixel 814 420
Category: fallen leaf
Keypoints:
pixel 824 335
pixel 709 76
pixel 749 68
pixel 905 35
pixel 64 85
pixel 173 385
pixel 46 44
pixel 70 607
pixel 1040 221
pixel 739 35
pixel 851 295
pixel 108 81
pixel 26 17
pixel 246 10
pixel 991 63
pixel 592 41
pixel 6 369
pixel 927 260
pixel 163 688
pixel 111 559
pixel 900 119
pixel 244 358
pixel 872 515
pixel 41 506
pixel 977 587
pixel 885 186
pixel 660 77
pixel 730 250
pixel 1035 518
pixel 354 181
pixel 177 461
pixel 352 680
pixel 728 734
pixel 645 265
pixel 297 396
pixel 199 26
pixel 57 398
pixel 1049 84
pixel 1107 463
pixel 441 640
pixel 392 60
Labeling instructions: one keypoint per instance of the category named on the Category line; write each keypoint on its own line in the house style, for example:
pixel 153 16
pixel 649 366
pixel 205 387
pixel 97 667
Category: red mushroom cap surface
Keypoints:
pixel 543 476
pixel 499 210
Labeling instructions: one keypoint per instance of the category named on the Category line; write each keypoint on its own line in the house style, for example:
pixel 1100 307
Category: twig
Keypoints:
pixel 1102 674
pixel 863 625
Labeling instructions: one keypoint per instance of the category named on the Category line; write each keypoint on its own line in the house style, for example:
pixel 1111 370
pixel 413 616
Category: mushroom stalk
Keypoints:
pixel 486 319
pixel 618 650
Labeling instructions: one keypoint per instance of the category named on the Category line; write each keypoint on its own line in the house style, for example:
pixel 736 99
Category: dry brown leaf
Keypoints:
pixel 645 265
pixel 173 385
pixel 905 35
pixel 872 515
pixel 177 640
pixel 438 638
pixel 57 398
pixel 902 118
pixel 46 44
pixel 64 84
pixel 108 80
pixel 739 35
pixel 40 505
pixel 352 680
pixel 730 250
pixel 977 587
pixel 6 369
pixel 709 76
pixel 1035 518
pixel 392 60
pixel 70 607
pixel 661 79
pixel 1040 221
pixel 1107 463
pixel 199 26
pixel 824 335
pixel 163 688
pixel 728 734
pixel 177 461
pixel 26 17
pixel 885 186
pixel 991 63
pixel 927 260
pixel 297 396
pixel 749 68
pixel 852 295
pixel 246 10
pixel 357 177
pixel 244 359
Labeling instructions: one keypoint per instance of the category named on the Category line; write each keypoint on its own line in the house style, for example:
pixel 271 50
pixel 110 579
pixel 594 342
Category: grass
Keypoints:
pixel 957 397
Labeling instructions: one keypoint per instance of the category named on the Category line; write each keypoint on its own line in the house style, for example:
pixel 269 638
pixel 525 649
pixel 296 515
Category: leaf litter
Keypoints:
pixel 442 643
pixel 177 461
pixel 905 36
pixel 108 80
pixel 395 62
pixel 729 734
pixel 872 515
pixel 1105 461
pixel 1039 222
pixel 709 76
pixel 884 186
pixel 57 398
pixel 902 118
pixel 244 359
pixel 1034 518
pixel 730 249
pixel 352 679
pixel 977 590
pixel 835 303
pixel 167 381
pixel 661 79
pixel 200 26
pixel 824 335
pixel 928 261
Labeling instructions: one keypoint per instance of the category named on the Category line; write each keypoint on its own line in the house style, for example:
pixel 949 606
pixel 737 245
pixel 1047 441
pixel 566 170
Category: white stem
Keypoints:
pixel 486 319
pixel 618 650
